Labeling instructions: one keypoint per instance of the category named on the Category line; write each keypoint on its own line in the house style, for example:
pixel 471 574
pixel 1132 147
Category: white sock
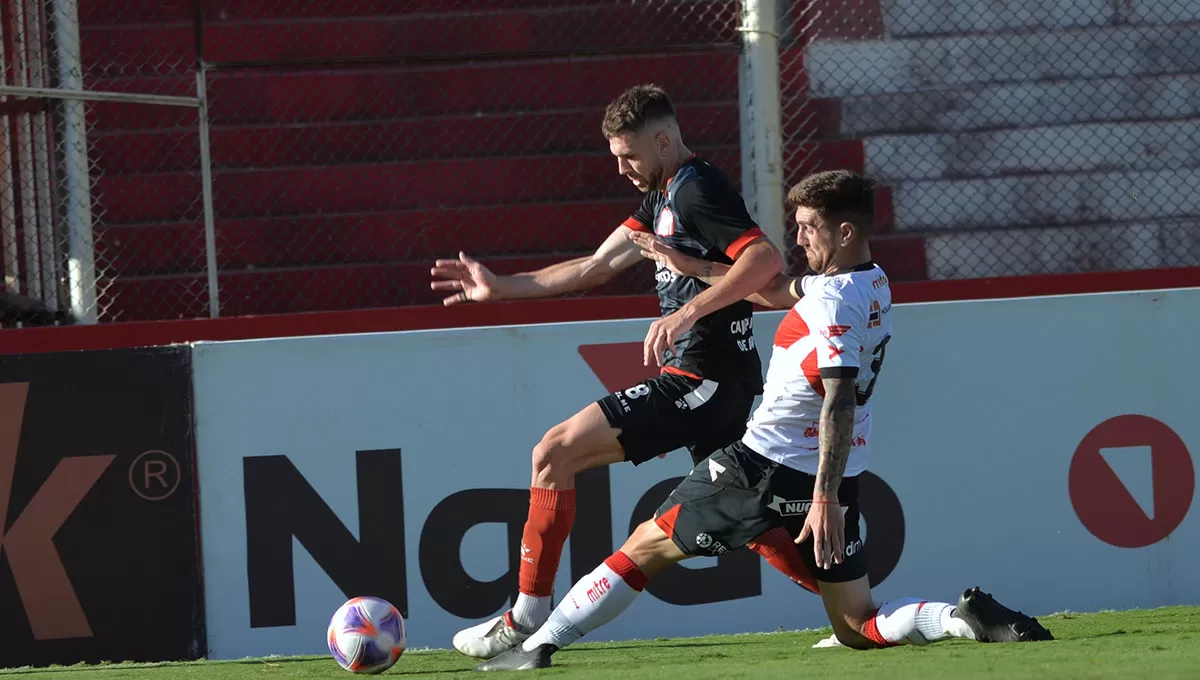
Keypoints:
pixel 912 621
pixel 531 611
pixel 595 600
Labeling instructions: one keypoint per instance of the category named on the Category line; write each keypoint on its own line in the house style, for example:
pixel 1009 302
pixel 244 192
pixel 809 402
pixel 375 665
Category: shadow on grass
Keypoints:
pixel 431 672
pixel 649 645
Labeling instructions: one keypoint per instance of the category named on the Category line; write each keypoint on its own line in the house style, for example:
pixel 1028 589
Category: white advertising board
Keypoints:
pixel 399 463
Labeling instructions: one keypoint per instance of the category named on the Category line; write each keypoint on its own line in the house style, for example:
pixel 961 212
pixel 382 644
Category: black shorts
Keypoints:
pixel 671 411
pixel 737 495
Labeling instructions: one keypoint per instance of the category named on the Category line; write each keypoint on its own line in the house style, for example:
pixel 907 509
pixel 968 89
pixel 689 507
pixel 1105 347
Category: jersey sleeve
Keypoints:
pixel 643 218
pixel 842 325
pixel 719 216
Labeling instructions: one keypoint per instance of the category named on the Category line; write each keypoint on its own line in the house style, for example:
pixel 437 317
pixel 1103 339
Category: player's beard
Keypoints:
pixel 649 182
pixel 655 180
pixel 817 261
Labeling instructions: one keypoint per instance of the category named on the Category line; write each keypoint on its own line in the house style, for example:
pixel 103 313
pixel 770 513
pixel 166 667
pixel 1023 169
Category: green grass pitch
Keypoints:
pixel 1160 644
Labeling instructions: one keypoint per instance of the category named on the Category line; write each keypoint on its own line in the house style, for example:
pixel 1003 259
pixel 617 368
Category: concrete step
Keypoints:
pixel 1074 148
pixel 1033 200
pixel 839 69
pixel 375 187
pixel 356 93
pixel 316 289
pixel 950 17
pixel 218 11
pixel 328 143
pixel 1064 249
pixel 489 87
pixel 1023 104
pixel 361 238
pixel 127 12
pixel 584 29
pixel 408 185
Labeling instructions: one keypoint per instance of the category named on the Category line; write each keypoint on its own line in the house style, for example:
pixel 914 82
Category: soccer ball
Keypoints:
pixel 366 635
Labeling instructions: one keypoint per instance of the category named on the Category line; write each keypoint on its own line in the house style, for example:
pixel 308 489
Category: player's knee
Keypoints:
pixel 650 548
pixel 850 633
pixel 645 536
pixel 850 630
pixel 552 464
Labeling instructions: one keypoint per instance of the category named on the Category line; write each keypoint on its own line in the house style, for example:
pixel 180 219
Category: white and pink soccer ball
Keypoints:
pixel 366 635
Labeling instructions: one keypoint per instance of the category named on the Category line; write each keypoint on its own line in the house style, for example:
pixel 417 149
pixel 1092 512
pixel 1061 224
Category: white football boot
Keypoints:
pixel 490 638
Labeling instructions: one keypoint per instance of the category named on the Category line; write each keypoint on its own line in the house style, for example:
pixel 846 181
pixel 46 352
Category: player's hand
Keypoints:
pixel 655 248
pixel 472 280
pixel 827 526
pixel 662 336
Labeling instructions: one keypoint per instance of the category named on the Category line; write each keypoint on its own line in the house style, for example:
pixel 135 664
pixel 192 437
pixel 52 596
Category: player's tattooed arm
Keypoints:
pixel 825 525
pixel 836 434
pixel 781 292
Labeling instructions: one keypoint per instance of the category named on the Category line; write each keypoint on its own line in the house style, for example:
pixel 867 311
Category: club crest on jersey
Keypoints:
pixel 876 317
pixel 665 225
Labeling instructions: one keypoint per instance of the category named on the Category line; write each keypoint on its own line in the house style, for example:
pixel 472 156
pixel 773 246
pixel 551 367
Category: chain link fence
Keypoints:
pixel 100 133
pixel 346 145
pixel 1014 138
pixel 352 147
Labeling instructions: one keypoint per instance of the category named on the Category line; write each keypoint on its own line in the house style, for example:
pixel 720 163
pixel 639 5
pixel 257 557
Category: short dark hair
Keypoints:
pixel 634 108
pixel 837 196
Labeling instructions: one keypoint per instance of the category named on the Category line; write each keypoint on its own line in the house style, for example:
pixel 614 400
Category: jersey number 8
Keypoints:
pixel 876 366
pixel 637 391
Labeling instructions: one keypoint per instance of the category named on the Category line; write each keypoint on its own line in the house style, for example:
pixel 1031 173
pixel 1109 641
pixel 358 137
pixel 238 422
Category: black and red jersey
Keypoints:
pixel 702 214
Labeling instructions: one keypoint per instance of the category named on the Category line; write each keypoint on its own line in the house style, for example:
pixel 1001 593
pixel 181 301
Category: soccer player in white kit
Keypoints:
pixel 798 463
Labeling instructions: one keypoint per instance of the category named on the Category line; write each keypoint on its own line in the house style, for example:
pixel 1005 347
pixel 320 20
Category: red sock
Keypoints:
pixel 551 516
pixel 778 549
pixel 624 567
pixel 871 632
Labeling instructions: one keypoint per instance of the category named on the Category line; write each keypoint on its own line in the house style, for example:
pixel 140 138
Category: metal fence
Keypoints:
pixel 1015 138
pixel 221 157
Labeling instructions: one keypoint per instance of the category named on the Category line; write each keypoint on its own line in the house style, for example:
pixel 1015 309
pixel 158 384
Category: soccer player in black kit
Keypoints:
pixel 703 343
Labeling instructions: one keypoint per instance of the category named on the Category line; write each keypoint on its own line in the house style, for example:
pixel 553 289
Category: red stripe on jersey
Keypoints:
pixel 813 372
pixel 635 224
pixel 680 371
pixel 791 330
pixel 747 237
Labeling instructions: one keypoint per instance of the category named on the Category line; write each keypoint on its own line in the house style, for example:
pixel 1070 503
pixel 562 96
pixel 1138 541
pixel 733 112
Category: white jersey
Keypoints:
pixel 840 327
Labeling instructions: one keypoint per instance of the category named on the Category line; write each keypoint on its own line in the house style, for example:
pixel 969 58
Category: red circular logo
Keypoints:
pixel 1114 507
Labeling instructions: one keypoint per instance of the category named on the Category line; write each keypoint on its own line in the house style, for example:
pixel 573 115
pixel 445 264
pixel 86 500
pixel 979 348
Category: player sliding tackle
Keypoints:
pixel 703 343
pixel 798 463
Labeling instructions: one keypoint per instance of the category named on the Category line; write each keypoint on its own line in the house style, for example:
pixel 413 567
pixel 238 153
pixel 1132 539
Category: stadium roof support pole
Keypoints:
pixel 81 248
pixel 762 148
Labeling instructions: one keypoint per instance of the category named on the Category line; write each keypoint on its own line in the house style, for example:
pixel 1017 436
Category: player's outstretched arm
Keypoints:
pixel 472 281
pixel 781 292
